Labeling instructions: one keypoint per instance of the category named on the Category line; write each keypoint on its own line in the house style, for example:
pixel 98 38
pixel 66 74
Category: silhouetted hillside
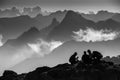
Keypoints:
pixel 93 69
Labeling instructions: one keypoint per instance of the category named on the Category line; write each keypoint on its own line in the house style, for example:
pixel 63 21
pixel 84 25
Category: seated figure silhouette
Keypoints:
pixel 85 58
pixel 89 52
pixel 74 59
pixel 90 56
pixel 96 56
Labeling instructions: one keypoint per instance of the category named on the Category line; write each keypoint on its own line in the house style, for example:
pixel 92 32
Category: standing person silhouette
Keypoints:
pixel 74 58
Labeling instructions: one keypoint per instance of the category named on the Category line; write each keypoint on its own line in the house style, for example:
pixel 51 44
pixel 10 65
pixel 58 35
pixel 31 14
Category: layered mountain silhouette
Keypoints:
pixel 45 21
pixel 29 36
pixel 63 31
pixel 32 35
pixel 99 16
pixel 45 31
pixel 74 21
pixel 109 24
pixel 11 28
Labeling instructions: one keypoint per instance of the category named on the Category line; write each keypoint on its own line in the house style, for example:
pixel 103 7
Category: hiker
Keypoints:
pixel 74 59
pixel 85 58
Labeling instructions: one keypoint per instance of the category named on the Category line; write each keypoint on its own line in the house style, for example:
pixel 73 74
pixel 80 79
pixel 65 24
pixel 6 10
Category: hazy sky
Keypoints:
pixel 52 5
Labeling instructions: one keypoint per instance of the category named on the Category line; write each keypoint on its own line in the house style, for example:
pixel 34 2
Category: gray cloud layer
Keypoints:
pixel 61 4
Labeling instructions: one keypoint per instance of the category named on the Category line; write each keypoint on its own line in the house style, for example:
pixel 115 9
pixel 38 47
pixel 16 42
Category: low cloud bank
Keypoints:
pixel 94 35
pixel 16 55
pixel 1 37
pixel 42 47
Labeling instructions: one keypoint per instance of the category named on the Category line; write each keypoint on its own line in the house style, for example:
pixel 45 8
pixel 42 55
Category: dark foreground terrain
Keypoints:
pixel 90 67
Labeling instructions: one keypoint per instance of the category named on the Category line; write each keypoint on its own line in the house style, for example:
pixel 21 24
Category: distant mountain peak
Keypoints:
pixel 73 21
pixel 73 17
pixel 54 21
pixel 33 29
pixel 102 12
pixel 71 13
pixel 31 32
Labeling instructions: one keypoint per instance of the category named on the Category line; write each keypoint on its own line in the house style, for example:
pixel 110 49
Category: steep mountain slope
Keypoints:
pixel 30 35
pixel 109 24
pixel 45 31
pixel 11 28
pixel 72 22
pixel 45 21
pixel 116 17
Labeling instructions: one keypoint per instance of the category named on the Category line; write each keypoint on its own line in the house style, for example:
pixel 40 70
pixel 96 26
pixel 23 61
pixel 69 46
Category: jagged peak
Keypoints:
pixel 33 29
pixel 73 15
pixel 55 21
pixel 30 31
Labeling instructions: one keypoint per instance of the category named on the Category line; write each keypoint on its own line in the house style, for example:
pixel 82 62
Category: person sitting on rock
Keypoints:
pixel 96 56
pixel 85 58
pixel 74 59
pixel 90 56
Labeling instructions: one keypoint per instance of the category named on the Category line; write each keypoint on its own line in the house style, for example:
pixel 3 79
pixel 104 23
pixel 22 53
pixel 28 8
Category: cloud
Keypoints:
pixel 14 57
pixel 94 35
pixel 15 11
pixel 1 37
pixel 9 12
pixel 17 55
pixel 31 11
pixel 43 47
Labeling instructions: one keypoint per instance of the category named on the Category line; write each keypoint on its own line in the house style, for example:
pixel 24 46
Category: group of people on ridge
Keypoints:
pixel 88 57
